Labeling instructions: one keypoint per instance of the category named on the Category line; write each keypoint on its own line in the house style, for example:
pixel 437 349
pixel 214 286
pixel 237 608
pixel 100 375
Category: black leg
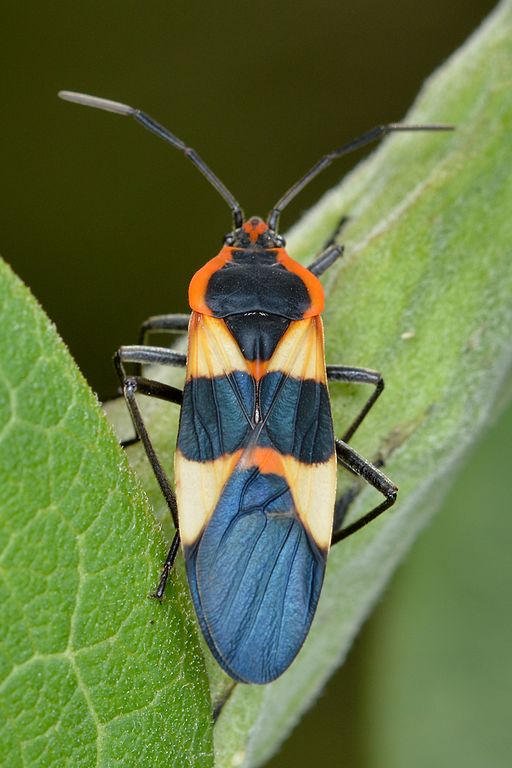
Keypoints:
pixel 343 504
pixel 345 501
pixel 353 375
pixel 131 386
pixel 163 324
pixel 330 252
pixel 339 226
pixel 355 463
pixel 175 323
pixel 221 703
pixel 143 355
pixel 325 259
pixel 167 567
pixel 137 384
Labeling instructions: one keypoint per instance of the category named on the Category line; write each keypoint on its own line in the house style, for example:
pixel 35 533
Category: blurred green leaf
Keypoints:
pixel 92 672
pixel 439 689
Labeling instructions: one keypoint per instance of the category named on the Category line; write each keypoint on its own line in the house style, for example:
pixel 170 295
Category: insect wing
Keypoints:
pixel 256 496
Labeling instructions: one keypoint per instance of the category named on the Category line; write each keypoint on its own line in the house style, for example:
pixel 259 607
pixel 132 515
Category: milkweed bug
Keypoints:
pixel 256 457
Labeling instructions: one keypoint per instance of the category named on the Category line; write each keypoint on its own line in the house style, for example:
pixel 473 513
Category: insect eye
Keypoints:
pixel 229 239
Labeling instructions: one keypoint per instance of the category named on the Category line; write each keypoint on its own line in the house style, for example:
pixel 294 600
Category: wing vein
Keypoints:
pixel 285 590
pixel 264 590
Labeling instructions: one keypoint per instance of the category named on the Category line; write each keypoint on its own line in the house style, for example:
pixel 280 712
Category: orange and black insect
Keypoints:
pixel 256 457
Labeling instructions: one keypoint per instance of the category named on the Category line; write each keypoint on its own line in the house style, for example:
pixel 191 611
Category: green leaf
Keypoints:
pixel 92 672
pixel 438 689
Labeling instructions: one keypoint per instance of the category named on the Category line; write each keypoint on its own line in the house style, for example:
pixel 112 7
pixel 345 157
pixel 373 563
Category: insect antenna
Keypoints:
pixel 366 138
pixel 159 130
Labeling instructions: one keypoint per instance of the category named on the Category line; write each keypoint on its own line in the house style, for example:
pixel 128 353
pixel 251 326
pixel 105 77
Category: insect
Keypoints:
pixel 256 457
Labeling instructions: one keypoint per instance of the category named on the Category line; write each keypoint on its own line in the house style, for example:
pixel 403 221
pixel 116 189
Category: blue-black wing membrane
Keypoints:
pixel 256 481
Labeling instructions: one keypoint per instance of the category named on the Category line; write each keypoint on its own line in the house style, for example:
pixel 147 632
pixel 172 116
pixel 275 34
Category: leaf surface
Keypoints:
pixel 92 672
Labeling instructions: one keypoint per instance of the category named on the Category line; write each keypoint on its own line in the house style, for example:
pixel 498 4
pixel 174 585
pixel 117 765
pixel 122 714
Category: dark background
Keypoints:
pixel 106 224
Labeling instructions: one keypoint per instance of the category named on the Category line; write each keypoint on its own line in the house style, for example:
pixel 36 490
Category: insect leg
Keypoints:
pixel 138 384
pixel 353 375
pixel 163 324
pixel 133 384
pixel 325 259
pixel 330 252
pixel 143 355
pixel 339 226
pixel 146 355
pixel 167 567
pixel 351 460
pixel 175 323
